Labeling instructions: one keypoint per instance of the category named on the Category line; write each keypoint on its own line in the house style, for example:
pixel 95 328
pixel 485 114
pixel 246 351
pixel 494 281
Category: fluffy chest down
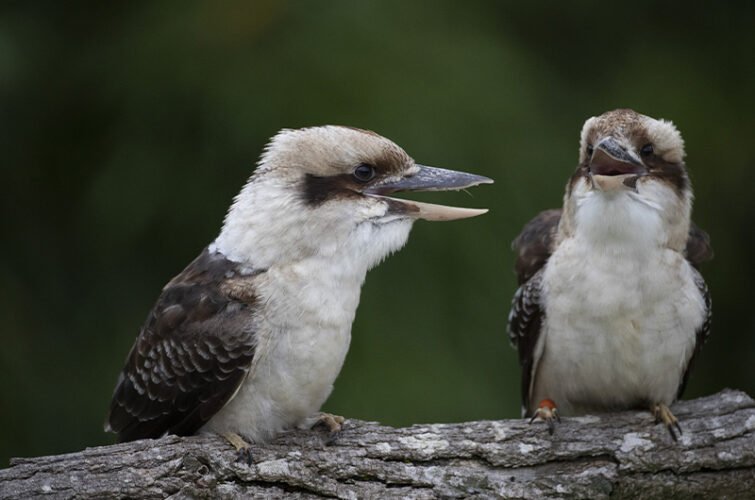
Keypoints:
pixel 619 328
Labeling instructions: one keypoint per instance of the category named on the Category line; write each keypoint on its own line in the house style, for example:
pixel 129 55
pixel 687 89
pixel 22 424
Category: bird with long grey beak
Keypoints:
pixel 611 310
pixel 249 338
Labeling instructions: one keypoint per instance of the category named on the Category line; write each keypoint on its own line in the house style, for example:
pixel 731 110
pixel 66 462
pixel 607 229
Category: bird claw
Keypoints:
pixel 332 423
pixel 243 449
pixel 245 455
pixel 663 414
pixel 548 412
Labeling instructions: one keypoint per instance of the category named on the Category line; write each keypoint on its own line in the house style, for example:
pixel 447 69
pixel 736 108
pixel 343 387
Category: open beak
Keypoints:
pixel 612 167
pixel 431 179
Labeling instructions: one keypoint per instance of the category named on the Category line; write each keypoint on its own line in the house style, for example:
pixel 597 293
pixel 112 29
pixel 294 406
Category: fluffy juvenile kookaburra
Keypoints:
pixel 611 310
pixel 249 338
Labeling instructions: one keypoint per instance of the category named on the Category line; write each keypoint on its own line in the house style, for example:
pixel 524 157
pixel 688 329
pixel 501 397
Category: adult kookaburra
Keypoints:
pixel 249 338
pixel 611 310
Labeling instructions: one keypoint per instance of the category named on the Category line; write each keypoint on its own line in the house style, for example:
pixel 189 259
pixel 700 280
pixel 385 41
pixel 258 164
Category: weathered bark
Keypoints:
pixel 621 455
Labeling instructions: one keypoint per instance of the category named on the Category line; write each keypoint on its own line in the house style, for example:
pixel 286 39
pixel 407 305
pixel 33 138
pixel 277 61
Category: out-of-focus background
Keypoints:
pixel 127 127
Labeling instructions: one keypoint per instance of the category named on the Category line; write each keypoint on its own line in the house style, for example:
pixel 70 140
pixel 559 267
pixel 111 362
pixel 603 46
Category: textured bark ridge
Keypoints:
pixel 621 455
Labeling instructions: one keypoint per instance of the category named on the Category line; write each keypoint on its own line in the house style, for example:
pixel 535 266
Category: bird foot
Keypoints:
pixel 332 423
pixel 243 448
pixel 663 414
pixel 547 411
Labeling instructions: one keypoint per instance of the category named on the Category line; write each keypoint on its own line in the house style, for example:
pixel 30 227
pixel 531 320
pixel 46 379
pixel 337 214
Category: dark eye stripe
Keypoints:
pixel 317 190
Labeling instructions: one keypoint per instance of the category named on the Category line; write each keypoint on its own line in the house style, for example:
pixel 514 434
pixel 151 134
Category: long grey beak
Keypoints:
pixel 432 179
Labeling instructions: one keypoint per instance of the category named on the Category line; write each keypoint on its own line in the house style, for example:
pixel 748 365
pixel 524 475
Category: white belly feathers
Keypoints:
pixel 619 329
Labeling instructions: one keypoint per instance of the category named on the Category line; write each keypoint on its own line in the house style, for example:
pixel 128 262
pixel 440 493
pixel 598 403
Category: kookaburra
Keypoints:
pixel 249 338
pixel 611 310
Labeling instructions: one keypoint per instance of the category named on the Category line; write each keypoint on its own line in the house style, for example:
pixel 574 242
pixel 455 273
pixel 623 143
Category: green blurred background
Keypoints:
pixel 127 127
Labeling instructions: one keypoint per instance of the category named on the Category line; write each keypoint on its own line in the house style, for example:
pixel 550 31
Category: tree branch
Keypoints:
pixel 621 455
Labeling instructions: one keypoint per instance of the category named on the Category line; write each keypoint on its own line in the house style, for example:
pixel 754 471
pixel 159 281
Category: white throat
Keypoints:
pixel 622 222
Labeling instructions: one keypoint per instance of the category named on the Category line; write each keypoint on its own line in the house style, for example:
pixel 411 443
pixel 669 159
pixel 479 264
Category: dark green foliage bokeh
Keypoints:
pixel 127 127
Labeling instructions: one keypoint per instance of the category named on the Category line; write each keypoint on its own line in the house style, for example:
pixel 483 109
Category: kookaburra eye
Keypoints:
pixel 589 151
pixel 646 150
pixel 364 172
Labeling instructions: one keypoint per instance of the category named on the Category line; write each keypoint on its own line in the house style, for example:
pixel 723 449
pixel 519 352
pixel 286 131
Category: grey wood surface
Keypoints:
pixel 622 455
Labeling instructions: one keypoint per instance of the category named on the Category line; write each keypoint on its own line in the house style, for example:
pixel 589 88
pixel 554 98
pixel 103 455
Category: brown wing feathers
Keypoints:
pixel 525 323
pixel 702 333
pixel 190 357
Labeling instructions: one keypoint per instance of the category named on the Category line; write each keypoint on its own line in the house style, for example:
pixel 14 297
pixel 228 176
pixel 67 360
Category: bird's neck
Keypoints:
pixel 629 221
pixel 262 244
pixel 618 220
pixel 320 282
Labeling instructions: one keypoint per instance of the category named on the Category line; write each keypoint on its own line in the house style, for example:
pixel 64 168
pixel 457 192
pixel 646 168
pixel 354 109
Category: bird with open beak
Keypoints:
pixel 611 310
pixel 249 338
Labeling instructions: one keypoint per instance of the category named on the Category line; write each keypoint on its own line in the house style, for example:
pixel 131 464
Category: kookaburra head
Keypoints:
pixel 249 338
pixel 630 167
pixel 320 188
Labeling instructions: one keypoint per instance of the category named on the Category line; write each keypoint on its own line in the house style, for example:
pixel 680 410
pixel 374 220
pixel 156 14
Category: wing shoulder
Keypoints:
pixel 535 244
pixel 698 249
